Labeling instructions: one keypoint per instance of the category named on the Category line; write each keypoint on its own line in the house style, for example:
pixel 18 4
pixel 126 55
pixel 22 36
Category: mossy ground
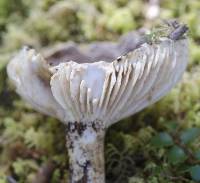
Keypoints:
pixel 148 147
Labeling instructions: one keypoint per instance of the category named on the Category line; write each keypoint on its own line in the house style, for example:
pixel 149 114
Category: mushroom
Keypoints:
pixel 90 88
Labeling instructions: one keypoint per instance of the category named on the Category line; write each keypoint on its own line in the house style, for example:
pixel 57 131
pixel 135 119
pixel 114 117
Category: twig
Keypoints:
pixel 11 180
pixel 177 178
pixel 45 173
pixel 178 32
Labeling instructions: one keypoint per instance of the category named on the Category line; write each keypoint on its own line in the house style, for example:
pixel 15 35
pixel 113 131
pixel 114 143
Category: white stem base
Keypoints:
pixel 85 144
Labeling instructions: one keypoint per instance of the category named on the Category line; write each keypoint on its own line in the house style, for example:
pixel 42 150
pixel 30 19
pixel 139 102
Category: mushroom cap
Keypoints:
pixel 105 90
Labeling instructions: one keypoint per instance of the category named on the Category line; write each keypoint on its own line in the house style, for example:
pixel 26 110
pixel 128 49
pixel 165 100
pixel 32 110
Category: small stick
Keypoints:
pixel 178 32
pixel 45 173
pixel 11 180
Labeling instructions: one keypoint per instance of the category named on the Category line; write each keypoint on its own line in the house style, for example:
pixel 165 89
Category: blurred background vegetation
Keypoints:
pixel 158 145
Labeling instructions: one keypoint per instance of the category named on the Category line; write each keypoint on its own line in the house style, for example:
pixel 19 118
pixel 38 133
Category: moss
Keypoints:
pixel 121 20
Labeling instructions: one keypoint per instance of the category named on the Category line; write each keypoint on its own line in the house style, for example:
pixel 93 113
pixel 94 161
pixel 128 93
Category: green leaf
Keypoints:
pixel 171 125
pixel 190 135
pixel 176 155
pixel 197 155
pixel 195 172
pixel 162 139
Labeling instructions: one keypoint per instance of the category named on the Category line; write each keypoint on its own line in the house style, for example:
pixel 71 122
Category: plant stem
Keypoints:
pixel 85 142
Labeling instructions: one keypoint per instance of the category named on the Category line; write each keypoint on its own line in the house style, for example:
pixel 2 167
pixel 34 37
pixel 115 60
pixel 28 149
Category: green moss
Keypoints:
pixel 121 20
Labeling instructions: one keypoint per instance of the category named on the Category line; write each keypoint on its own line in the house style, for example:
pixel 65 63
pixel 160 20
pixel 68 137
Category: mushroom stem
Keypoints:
pixel 85 142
